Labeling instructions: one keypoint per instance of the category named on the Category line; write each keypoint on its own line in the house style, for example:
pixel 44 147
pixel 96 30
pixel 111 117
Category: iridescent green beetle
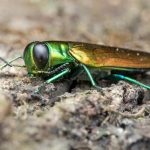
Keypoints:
pixel 55 59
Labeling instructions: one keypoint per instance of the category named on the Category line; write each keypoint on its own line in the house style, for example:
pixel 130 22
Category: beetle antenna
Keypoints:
pixel 10 63
pixel 6 63
pixel 131 80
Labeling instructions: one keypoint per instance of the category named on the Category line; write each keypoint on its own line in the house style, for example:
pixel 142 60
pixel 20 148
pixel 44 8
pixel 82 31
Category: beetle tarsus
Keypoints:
pixel 37 91
pixel 99 89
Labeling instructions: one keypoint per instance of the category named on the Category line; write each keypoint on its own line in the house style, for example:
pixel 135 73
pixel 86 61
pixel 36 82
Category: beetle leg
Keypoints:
pixel 54 78
pixel 131 80
pixel 91 77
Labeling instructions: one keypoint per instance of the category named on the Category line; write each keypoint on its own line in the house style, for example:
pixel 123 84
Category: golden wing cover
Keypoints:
pixel 106 56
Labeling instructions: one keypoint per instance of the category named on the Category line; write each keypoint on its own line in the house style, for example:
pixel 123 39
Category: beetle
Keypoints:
pixel 56 59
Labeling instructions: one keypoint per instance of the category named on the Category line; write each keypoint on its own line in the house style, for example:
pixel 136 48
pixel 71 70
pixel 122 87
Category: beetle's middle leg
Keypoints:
pixel 91 77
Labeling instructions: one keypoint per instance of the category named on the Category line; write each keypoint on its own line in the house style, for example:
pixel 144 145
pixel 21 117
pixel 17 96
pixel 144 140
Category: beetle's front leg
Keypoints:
pixel 52 79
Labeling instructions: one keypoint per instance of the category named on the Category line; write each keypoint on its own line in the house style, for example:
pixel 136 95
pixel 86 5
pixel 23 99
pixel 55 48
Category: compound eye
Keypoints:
pixel 40 55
